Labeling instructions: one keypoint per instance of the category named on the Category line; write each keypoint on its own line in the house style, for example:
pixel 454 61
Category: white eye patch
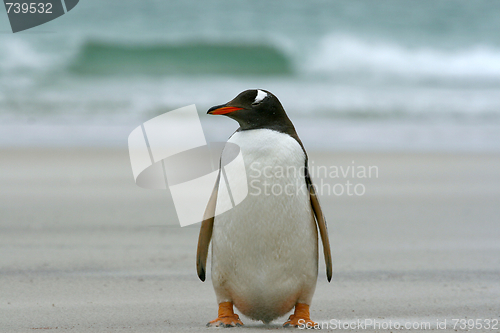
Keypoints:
pixel 260 96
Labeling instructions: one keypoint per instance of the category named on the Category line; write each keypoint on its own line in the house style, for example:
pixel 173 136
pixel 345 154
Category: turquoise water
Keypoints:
pixel 108 59
pixel 364 74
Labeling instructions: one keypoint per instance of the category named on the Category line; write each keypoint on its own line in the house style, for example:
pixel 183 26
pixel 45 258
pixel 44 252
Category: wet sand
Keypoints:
pixel 83 249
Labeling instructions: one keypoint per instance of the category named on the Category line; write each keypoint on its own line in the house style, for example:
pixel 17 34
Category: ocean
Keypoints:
pixel 352 75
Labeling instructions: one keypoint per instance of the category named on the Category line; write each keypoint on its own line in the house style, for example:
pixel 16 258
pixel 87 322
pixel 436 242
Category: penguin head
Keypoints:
pixel 254 109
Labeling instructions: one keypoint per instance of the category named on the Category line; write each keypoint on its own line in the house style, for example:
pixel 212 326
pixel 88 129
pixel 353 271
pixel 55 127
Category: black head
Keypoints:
pixel 256 109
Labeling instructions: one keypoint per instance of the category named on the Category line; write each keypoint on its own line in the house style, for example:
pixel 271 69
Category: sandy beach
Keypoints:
pixel 83 249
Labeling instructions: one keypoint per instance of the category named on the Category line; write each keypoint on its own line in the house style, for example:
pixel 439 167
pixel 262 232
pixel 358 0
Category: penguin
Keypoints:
pixel 265 249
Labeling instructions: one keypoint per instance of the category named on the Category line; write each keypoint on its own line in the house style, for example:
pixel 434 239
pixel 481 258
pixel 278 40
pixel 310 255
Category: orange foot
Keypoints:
pixel 226 317
pixel 300 317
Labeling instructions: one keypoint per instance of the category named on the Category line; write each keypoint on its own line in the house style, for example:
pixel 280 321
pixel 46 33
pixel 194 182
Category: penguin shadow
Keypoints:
pixel 256 326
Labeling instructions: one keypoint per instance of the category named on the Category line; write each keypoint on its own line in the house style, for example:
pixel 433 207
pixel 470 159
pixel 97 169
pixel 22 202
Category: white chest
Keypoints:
pixel 274 223
pixel 274 164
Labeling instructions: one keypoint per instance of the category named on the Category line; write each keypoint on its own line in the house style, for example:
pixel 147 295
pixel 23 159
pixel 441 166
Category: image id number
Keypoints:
pixel 478 324
pixel 33 7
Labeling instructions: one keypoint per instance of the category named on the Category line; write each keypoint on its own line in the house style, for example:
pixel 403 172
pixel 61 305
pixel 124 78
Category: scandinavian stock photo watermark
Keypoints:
pixel 462 324
pixel 331 180
pixel 163 156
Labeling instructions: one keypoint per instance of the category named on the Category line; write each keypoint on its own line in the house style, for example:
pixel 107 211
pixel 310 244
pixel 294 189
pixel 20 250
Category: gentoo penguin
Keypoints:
pixel 265 249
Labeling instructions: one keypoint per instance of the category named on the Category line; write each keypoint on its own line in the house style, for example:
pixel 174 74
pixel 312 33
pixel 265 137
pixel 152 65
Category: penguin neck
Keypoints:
pixel 282 126
pixel 279 126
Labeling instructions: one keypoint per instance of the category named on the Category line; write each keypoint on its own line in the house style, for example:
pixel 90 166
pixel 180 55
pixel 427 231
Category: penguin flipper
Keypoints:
pixel 321 222
pixel 206 232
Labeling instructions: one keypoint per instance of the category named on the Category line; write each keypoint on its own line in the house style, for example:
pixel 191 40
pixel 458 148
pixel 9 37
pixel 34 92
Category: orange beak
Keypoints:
pixel 224 110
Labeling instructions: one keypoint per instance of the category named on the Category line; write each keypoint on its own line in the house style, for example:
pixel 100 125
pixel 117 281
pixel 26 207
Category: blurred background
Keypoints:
pixel 363 75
